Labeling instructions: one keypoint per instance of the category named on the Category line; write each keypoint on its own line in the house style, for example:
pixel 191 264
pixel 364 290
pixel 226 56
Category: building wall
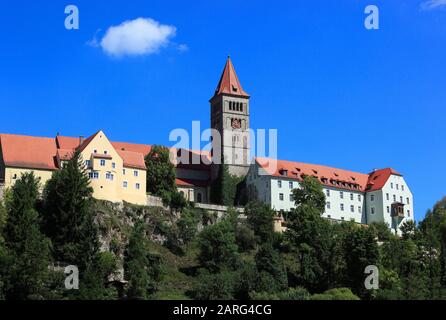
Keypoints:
pixel 397 189
pixel 261 184
pixel 358 206
pixel 236 152
pixel 2 166
pixel 14 174
pixel 194 194
pixel 344 205
pixel 114 189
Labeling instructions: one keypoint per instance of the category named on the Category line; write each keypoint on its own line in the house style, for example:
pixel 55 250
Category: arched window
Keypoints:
pixel 199 198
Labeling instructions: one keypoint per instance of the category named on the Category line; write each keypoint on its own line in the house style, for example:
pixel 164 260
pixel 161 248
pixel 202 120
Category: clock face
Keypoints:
pixel 236 124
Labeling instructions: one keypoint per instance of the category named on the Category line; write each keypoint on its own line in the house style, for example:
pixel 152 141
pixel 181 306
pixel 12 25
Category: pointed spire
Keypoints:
pixel 229 83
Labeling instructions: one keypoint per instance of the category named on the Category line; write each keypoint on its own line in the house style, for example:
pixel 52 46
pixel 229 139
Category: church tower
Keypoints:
pixel 230 117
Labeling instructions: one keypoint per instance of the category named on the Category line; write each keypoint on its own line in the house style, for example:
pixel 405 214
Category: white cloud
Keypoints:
pixel 432 4
pixel 142 36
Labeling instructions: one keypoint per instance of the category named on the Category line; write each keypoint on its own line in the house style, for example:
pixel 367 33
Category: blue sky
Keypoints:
pixel 339 94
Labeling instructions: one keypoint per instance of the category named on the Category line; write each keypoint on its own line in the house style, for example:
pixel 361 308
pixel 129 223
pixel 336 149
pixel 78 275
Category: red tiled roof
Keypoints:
pixel 67 142
pixel 378 178
pixel 42 153
pixel 328 176
pixel 28 152
pixel 64 154
pixel 133 147
pixel 229 82
pixel 132 159
pixel 191 182
pixel 101 156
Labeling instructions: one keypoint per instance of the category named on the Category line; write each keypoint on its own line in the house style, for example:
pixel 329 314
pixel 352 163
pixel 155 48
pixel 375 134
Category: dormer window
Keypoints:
pixel 283 172
pixel 234 88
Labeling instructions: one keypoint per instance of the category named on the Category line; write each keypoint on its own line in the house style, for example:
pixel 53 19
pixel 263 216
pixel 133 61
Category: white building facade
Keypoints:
pixel 381 196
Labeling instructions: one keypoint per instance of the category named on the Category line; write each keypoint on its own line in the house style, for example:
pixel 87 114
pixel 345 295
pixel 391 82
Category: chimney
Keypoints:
pixel 81 140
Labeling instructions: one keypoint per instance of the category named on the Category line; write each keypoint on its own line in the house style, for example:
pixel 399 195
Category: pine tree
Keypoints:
pixel 28 250
pixel 68 215
pixel 224 188
pixel 141 268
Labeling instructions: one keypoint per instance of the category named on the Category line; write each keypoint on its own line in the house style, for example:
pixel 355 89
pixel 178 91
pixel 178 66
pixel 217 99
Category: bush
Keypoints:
pixel 298 293
pixel 219 286
pixel 336 294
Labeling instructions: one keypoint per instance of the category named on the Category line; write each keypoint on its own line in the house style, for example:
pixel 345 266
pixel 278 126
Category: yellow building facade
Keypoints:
pixel 115 175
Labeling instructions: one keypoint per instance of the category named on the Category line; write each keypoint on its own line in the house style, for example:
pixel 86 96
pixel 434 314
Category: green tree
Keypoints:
pixel 310 239
pixel 68 215
pixel 160 172
pixel 141 269
pixel 273 276
pixel 224 188
pixel 261 219
pixel 361 250
pixel 217 246
pixel 28 250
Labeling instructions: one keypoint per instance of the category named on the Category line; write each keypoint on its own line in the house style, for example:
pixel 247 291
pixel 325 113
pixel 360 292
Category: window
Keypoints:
pixel 394 198
pixel 14 176
pixel 408 213
pixel 102 163
pixel 123 172
pixel 352 208
pixel 113 165
pixel 342 207
pixel 387 197
pixel 135 173
pixel 397 187
pixel 388 209
pixel 372 210
pixel 93 175
pixel 291 184
pixel 342 218
pixel 402 187
pixel 328 192
pixel 351 196
pixel 372 197
pixel 408 201
pixel 291 198
pixel 359 197
pixel 281 196
pixel 105 151
pixel 359 209
pixel 109 176
pixel 95 151
pixel 328 205
pixel 124 184
pixel 341 194
pixel 279 184
pixel 401 199
pixel 138 186
pixel 391 185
